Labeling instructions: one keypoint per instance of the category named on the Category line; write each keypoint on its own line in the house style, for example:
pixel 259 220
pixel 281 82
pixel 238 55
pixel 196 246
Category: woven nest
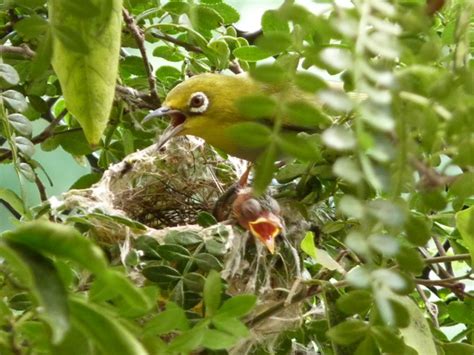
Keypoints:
pixel 160 193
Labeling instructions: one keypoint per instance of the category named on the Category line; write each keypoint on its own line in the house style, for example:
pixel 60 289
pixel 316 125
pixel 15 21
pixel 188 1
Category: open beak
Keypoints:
pixel 176 125
pixel 266 229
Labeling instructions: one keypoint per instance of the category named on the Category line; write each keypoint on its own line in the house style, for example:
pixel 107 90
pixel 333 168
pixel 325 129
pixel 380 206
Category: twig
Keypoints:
pixel 140 39
pixel 188 46
pixel 430 307
pixel 249 36
pixel 47 133
pixel 135 97
pixel 447 258
pixel 429 177
pixel 22 50
pixel 10 209
pixel 41 188
pixel 296 299
pixel 443 282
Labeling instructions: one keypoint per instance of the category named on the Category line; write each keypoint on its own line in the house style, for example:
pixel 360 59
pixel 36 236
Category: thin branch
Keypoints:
pixel 429 177
pixel 140 39
pixel 41 188
pixel 10 209
pixel 23 51
pixel 443 282
pixel 430 307
pixel 447 258
pixel 249 36
pixel 303 295
pixel 47 133
pixel 188 46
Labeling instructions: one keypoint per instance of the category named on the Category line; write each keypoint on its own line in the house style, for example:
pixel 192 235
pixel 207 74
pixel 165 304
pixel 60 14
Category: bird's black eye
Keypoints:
pixel 197 100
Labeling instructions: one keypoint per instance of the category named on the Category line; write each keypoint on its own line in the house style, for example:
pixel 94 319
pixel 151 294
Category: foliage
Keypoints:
pixel 378 195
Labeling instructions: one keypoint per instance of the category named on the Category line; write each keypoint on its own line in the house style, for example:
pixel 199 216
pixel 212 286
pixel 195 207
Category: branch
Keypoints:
pixel 443 282
pixel 429 177
pixel 140 39
pixel 47 133
pixel 22 50
pixel 135 97
pixel 188 46
pixel 249 36
pixel 447 258
pixel 303 295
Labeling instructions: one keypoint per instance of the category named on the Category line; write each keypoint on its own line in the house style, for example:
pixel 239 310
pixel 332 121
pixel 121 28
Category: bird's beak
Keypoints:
pixel 266 229
pixel 176 125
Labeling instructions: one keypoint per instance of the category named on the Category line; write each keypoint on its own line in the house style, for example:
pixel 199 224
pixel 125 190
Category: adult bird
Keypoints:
pixel 205 106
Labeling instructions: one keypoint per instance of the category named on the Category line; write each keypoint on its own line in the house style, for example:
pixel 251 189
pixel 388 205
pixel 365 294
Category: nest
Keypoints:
pixel 160 195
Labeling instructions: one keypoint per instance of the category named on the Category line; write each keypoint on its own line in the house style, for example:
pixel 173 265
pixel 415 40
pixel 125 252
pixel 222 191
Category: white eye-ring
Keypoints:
pixel 198 102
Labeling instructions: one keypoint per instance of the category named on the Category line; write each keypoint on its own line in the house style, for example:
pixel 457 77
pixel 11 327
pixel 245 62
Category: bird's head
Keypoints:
pixel 260 216
pixel 201 103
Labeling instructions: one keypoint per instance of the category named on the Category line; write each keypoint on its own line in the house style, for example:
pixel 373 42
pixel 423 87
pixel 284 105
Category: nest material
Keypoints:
pixel 165 191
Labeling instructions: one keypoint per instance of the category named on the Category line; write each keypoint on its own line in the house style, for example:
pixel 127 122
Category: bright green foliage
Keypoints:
pixel 372 108
pixel 85 45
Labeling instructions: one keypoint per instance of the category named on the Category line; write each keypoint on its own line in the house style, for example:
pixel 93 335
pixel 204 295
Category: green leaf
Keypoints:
pixel 463 186
pixel 27 171
pixel 257 106
pixel 231 326
pixel 187 341
pixel 42 279
pixel 87 74
pixel 15 100
pixel 237 306
pixel 168 74
pixel 171 54
pixel 274 42
pixel 348 332
pixel 135 298
pixel 265 166
pixel 173 252
pixel 303 113
pixel 367 346
pixel 384 244
pixel 250 53
pixel 273 21
pixel 461 312
pixel 12 199
pixel 299 145
pixel 309 82
pixel 410 260
pixel 165 276
pixel 205 219
pixel 25 146
pixel 8 76
pixel 388 339
pixel 31 27
pixel 212 293
pixel 417 230
pixel 86 181
pixel 458 349
pixel 339 138
pixel 207 262
pixel 21 124
pixel 252 134
pixel 173 318
pixel 357 301
pixel 347 169
pixel 194 281
pixel 269 73
pixel 216 340
pixel 205 18
pixel 109 335
pixel 465 226
pixel 417 334
pixel 60 241
pixel 320 256
pixel 176 7
pixel 227 12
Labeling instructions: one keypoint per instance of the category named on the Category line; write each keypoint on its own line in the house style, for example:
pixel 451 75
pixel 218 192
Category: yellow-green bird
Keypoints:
pixel 205 106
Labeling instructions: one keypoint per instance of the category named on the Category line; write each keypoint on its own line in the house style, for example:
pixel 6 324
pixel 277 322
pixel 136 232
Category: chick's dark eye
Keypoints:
pixel 197 100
